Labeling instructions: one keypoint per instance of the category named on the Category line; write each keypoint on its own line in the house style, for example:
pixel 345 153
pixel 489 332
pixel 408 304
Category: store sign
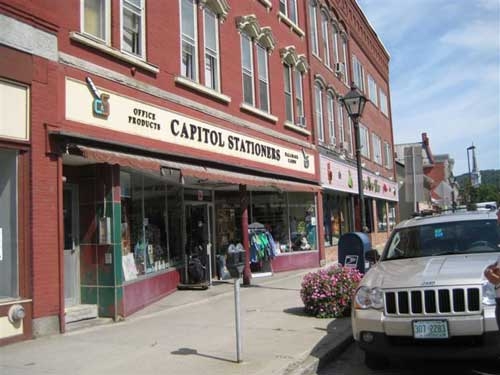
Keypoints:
pixel 342 177
pixel 85 103
pixel 14 116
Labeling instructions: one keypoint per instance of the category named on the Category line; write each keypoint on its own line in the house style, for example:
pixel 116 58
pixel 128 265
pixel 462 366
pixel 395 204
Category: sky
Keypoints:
pixel 444 74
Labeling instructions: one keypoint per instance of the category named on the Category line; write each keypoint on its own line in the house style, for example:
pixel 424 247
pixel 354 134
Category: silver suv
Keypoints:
pixel 427 296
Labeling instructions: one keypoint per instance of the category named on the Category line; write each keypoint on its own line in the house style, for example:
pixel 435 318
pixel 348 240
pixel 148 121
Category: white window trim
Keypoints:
pixel 296 128
pixel 203 89
pixel 256 111
pixel 289 70
pixel 372 90
pixel 344 53
pixel 267 4
pixel 326 40
pixel 142 56
pixel 318 110
pixel 377 149
pixel 388 162
pixel 314 25
pixel 107 26
pixel 330 110
pixel 266 62
pixel 296 91
pixel 365 141
pixel 91 42
pixel 252 67
pixel 217 45
pixel 293 26
pixel 384 105
pixel 196 61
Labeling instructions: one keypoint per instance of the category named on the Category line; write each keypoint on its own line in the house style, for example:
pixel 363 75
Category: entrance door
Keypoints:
pixel 199 232
pixel 71 246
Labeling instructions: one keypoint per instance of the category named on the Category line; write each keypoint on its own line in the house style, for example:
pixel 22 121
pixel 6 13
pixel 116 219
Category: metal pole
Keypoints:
pixel 360 176
pixel 237 317
pixel 414 175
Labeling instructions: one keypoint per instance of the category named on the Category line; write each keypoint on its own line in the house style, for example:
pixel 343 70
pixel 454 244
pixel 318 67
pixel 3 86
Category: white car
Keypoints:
pixel 427 296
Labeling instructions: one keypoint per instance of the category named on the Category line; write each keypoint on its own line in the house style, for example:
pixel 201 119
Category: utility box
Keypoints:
pixel 235 263
pixel 353 248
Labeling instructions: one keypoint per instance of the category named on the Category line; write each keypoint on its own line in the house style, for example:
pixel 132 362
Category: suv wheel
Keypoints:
pixel 375 361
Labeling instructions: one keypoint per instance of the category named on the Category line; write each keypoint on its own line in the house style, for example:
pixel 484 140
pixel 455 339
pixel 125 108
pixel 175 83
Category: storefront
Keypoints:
pixel 139 222
pixel 340 191
pixel 15 276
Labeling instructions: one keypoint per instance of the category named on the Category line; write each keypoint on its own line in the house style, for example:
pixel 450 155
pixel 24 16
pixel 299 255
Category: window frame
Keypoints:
pixel 142 33
pixel 364 139
pixel 388 155
pixel 325 21
pixel 259 51
pixel 318 109
pixel 372 90
pixel 250 70
pixel 194 45
pixel 106 20
pixel 330 108
pixel 358 73
pixel 383 100
pixel 314 28
pixel 377 149
pixel 216 86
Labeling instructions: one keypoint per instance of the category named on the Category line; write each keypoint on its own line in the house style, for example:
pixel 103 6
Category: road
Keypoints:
pixel 351 362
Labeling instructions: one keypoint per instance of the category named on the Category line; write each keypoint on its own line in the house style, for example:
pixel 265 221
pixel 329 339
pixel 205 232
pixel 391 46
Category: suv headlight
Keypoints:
pixel 366 298
pixel 488 293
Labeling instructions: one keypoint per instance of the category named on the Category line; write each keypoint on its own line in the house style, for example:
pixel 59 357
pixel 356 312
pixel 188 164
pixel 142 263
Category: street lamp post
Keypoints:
pixel 354 102
pixel 468 196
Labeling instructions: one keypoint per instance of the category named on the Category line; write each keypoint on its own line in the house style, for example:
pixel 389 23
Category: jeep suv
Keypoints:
pixel 427 296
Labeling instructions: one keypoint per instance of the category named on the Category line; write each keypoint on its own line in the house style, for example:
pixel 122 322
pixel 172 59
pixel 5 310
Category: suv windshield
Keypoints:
pixel 454 237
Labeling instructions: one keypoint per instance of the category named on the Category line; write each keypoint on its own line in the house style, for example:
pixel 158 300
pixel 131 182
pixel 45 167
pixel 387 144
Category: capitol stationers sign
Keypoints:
pixel 127 115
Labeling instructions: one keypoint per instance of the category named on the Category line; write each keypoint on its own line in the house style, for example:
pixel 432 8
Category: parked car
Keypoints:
pixel 427 297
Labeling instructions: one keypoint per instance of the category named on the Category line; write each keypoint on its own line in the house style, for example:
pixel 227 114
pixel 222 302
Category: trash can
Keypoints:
pixel 353 247
pixel 235 263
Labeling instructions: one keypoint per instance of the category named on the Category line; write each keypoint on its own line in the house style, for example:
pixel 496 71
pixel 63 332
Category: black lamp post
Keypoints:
pixel 354 102
pixel 468 197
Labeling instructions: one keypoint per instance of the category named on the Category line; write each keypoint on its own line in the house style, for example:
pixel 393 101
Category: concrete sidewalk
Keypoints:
pixel 193 332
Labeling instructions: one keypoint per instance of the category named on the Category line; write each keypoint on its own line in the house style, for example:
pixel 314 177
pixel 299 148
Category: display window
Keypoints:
pixel 290 218
pixel 151 223
pixel 9 257
pixel 337 217
pixel 381 215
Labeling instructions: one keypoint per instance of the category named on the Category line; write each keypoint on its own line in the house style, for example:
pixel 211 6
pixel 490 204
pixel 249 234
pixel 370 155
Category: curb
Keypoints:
pixel 330 347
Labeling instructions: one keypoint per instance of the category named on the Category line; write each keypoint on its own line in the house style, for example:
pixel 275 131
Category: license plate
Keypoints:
pixel 430 329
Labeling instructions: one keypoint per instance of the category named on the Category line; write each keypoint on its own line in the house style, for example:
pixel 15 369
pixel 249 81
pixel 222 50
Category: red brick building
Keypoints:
pixel 145 140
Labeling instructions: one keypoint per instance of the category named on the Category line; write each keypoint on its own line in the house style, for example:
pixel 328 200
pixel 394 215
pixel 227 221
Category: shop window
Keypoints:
pixel 382 216
pixel 336 220
pixel 227 220
pixel 303 221
pixel 269 209
pixel 9 257
pixel 392 216
pixel 151 223
pixel 369 214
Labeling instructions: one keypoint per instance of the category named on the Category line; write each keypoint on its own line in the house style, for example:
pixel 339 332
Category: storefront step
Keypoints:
pixel 80 312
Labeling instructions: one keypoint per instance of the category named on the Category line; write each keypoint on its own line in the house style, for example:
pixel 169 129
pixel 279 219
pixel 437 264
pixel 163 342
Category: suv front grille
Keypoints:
pixel 433 301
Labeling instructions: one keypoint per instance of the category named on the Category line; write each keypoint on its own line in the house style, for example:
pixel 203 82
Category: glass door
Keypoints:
pixel 71 246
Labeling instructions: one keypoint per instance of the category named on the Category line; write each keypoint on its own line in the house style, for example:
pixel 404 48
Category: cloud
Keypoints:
pixel 476 35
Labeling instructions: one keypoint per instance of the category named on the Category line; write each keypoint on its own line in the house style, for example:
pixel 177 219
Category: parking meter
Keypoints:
pixel 235 263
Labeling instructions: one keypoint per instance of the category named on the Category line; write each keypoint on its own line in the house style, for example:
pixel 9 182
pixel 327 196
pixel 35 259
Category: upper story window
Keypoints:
pixel 377 149
pixel 289 9
pixel 96 19
pixel 330 100
pixel 200 54
pixel 133 25
pixel 364 138
pixel 325 33
pixel 318 106
pixel 387 155
pixel 344 59
pixel 256 43
pixel 372 90
pixel 341 129
pixel 294 68
pixel 313 28
pixel 383 103
pixel 359 73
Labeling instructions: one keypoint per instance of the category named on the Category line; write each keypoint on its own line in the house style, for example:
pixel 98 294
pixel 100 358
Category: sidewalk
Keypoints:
pixel 193 332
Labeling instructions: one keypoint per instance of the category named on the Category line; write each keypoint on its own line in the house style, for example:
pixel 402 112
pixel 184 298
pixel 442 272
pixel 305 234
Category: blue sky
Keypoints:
pixel 444 74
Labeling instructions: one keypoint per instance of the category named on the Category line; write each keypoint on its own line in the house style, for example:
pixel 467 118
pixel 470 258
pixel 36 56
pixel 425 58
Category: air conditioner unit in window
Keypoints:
pixel 340 68
pixel 301 121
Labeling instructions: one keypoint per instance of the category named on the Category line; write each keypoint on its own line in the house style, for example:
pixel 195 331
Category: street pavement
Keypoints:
pixel 193 332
